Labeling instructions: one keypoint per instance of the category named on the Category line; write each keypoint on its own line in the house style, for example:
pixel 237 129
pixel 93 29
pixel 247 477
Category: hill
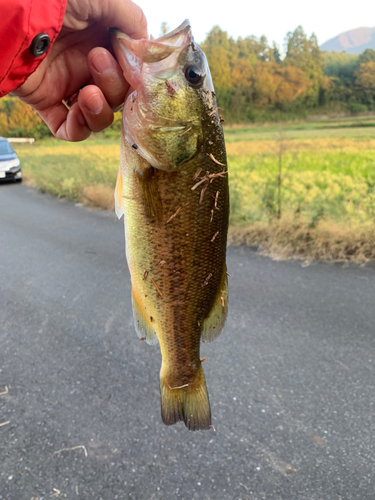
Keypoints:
pixel 353 41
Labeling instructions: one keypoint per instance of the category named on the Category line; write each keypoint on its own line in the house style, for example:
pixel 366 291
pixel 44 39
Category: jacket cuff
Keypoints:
pixel 28 29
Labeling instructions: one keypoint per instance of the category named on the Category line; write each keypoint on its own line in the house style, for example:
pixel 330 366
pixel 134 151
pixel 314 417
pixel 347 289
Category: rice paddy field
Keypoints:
pixel 302 190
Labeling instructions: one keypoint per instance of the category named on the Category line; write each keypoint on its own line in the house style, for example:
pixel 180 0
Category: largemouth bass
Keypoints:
pixel 172 187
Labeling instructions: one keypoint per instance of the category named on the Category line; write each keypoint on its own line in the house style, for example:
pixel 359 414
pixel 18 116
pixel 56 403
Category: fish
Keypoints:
pixel 172 188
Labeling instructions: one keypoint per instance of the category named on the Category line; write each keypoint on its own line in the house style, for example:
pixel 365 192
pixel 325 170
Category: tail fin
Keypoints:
pixel 188 403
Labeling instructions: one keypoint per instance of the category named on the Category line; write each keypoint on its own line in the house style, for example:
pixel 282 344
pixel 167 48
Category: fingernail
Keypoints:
pixel 94 104
pixel 103 63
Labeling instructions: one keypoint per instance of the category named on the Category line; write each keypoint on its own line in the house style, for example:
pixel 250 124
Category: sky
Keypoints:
pixel 273 18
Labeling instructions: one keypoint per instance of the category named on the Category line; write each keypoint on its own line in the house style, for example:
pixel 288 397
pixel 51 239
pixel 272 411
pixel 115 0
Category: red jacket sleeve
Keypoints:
pixel 20 22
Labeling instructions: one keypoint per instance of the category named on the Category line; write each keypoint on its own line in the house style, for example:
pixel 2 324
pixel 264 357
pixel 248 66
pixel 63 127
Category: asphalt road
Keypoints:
pixel 291 379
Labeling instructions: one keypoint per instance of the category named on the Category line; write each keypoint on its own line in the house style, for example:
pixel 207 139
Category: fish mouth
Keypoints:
pixel 133 54
pixel 152 50
pixel 177 37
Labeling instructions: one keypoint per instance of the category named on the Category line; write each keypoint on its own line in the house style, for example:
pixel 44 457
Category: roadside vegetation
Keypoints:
pixel 83 172
pixel 303 189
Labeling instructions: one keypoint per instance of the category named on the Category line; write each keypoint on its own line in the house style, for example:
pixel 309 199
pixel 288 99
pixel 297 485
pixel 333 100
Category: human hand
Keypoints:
pixel 79 57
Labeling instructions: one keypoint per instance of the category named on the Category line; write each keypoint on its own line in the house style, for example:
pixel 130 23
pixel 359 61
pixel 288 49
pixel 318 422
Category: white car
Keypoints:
pixel 10 168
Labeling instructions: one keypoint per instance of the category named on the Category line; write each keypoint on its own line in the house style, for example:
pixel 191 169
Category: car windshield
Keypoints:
pixel 5 148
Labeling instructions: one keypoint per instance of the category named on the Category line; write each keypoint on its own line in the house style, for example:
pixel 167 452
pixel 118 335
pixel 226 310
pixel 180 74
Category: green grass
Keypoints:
pixel 332 185
pixel 68 169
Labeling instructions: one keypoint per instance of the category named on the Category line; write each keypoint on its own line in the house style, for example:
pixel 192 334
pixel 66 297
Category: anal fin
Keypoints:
pixel 142 322
pixel 214 323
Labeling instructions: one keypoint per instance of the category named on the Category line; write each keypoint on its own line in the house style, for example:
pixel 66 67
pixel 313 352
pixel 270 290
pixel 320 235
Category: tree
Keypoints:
pixel 304 53
pixel 164 28
pixel 253 82
pixel 292 82
pixel 365 80
pixel 367 56
pixel 339 84
pixel 219 51
pixel 6 107
pixel 18 119
pixel 276 53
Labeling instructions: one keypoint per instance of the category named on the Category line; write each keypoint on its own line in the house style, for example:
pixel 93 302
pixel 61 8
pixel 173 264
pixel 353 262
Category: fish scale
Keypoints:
pixel 175 221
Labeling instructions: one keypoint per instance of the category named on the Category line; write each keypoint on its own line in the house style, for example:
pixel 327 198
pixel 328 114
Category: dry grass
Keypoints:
pixel 28 179
pixel 328 241
pixel 99 196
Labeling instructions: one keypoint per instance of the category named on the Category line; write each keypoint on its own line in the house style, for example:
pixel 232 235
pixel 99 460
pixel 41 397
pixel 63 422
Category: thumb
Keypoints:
pixel 124 15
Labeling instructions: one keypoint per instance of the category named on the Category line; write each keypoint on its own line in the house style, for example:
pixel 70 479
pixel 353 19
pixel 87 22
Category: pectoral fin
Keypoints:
pixel 214 323
pixel 150 195
pixel 119 193
pixel 143 322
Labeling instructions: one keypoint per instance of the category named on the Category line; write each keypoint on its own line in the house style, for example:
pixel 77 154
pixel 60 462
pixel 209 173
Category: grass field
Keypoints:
pixel 302 189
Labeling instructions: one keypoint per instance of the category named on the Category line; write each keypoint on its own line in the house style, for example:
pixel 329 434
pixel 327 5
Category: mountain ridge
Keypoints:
pixel 353 41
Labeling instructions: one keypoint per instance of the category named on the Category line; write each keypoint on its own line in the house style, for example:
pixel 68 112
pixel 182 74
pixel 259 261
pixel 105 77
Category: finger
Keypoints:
pixel 124 15
pixel 75 127
pixel 66 125
pixel 95 108
pixel 108 76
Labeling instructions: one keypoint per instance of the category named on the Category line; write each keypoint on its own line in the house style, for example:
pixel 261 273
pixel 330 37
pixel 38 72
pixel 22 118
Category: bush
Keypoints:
pixel 356 107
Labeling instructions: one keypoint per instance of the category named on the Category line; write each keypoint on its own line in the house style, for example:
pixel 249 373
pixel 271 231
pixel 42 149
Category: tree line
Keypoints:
pixel 255 82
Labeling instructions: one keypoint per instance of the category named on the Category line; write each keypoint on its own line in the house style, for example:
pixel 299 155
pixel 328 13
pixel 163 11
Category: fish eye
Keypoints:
pixel 194 75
